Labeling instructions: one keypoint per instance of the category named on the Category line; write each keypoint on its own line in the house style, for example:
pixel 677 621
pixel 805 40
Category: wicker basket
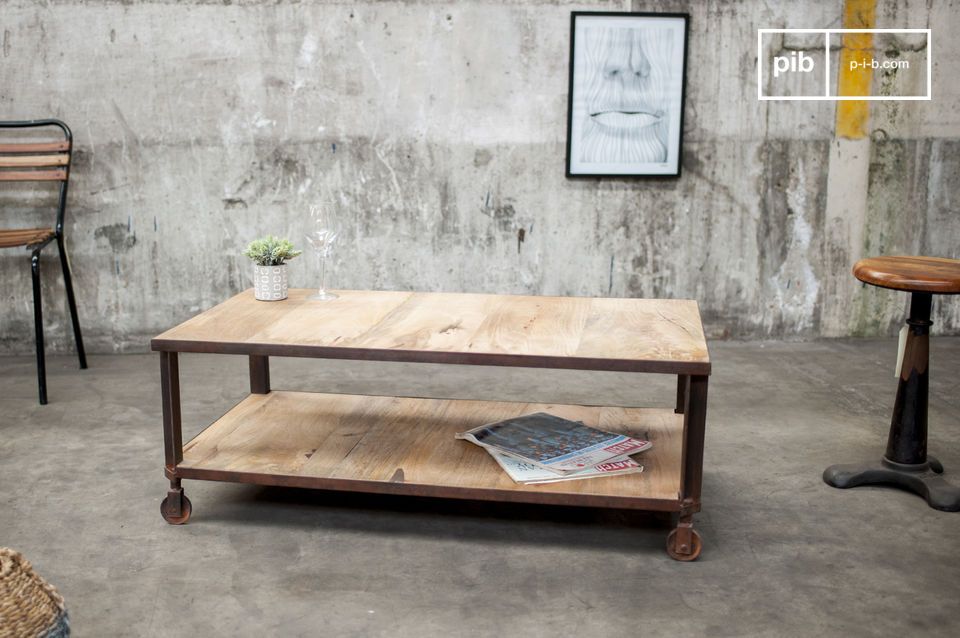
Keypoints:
pixel 29 606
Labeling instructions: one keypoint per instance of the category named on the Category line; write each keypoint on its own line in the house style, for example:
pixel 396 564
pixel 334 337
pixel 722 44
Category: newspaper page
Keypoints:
pixel 552 443
pixel 529 474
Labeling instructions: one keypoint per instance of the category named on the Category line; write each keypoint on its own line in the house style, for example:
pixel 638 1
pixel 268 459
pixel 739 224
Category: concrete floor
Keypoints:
pixel 784 554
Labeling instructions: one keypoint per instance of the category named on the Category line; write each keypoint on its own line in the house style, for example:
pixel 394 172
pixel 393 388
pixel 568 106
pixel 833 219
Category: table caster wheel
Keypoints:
pixel 185 510
pixel 674 552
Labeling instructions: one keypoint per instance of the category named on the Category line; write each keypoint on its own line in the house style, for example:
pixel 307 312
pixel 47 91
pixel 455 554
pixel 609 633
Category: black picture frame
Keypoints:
pixel 626 131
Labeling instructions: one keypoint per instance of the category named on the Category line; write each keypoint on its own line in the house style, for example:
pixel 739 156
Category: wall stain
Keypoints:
pixel 287 165
pixel 273 82
pixel 504 216
pixel 118 236
pixel 482 157
pixel 610 276
pixel 231 203
pixel 449 224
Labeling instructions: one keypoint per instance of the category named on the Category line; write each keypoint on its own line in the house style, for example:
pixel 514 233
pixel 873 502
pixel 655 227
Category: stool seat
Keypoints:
pixel 934 275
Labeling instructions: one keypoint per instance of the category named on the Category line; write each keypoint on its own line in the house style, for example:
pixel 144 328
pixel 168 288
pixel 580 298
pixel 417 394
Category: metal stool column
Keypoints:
pixel 907 443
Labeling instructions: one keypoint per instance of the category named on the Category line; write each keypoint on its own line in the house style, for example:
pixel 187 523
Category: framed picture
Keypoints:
pixel 625 106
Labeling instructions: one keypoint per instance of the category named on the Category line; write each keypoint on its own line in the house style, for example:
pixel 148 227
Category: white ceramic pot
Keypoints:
pixel 270 282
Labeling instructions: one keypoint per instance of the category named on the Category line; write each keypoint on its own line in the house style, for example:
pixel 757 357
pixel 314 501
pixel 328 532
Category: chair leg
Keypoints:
pixel 71 301
pixel 38 325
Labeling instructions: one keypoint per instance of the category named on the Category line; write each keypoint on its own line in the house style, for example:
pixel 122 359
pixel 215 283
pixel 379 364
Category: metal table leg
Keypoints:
pixel 684 542
pixel 176 507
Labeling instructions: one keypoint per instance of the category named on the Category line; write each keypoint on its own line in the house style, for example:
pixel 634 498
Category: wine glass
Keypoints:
pixel 321 237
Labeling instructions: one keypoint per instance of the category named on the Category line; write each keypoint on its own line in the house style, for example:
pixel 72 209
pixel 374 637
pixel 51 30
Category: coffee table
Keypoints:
pixel 406 445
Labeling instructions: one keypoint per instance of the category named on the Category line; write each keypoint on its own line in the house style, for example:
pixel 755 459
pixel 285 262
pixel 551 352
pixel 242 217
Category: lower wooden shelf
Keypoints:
pixel 406 446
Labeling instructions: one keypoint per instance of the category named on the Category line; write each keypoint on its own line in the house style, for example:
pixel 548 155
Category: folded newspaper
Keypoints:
pixel 530 474
pixel 559 445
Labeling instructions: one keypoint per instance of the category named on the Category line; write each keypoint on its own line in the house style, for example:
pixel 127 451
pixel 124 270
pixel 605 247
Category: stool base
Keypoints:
pixel 923 479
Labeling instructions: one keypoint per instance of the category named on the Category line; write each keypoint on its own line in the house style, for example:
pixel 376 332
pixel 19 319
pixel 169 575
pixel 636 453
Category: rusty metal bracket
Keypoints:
pixel 683 541
pixel 175 499
pixel 689 507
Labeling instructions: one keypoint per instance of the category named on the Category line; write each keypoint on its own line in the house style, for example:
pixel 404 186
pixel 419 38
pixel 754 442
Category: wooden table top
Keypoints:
pixel 914 274
pixel 638 335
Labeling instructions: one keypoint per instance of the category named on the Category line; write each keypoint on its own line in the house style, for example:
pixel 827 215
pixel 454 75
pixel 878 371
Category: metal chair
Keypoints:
pixel 32 161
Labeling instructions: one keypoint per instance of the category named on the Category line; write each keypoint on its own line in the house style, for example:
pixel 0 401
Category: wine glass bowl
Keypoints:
pixel 322 240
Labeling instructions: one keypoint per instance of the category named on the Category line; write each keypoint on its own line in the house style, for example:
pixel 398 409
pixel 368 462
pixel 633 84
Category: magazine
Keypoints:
pixel 552 443
pixel 529 474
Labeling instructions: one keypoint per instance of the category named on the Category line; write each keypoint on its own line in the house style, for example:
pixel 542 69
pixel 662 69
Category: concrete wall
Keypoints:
pixel 439 130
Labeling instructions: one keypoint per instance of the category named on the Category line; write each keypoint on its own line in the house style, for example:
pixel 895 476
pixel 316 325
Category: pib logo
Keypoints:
pixel 796 62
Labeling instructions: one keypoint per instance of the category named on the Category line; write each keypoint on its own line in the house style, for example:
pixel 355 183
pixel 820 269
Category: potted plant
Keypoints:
pixel 269 255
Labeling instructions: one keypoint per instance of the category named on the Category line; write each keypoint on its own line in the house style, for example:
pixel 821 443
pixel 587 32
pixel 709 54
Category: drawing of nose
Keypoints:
pixel 633 67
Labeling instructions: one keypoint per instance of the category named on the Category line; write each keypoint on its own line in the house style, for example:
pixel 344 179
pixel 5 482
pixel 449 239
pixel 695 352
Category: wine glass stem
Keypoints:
pixel 323 271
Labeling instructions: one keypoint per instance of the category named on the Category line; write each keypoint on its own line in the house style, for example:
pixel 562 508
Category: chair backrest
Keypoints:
pixel 38 161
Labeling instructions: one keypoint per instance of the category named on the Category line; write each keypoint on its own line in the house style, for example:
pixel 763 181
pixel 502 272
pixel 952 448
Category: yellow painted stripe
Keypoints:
pixel 852 115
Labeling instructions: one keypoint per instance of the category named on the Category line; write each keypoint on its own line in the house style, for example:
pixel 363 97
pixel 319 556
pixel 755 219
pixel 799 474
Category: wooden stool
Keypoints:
pixel 906 463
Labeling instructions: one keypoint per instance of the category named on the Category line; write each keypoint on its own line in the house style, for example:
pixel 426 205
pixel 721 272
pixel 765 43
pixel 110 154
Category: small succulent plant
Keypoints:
pixel 271 251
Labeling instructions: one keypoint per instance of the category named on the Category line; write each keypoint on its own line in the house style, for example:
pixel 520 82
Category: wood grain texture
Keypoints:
pixel 24 236
pixel 405 445
pixel 31 147
pixel 57 175
pixel 61 159
pixel 914 274
pixel 653 335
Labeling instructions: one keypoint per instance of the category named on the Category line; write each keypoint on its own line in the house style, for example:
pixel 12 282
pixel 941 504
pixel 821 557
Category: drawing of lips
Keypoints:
pixel 625 119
